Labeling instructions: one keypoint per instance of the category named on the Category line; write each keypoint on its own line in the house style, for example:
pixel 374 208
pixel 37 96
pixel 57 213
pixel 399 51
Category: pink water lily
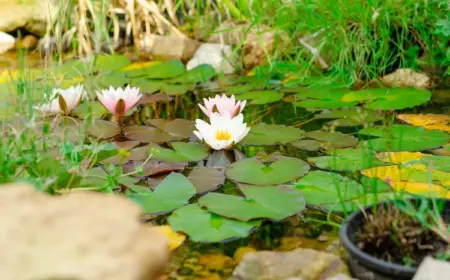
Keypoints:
pixel 222 104
pixel 119 101
pixel 63 100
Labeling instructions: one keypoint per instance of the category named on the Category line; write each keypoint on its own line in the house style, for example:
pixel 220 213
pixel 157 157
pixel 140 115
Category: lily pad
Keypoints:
pixel 206 179
pixel 307 145
pixel 89 110
pixel 202 226
pixel 153 167
pixel 332 140
pixel 347 160
pixel 274 203
pixel 114 79
pixel 329 190
pixel 172 193
pixel 389 98
pixel 110 62
pixel 103 129
pixel 161 131
pixel 350 117
pixel 403 138
pixel 313 98
pixel 253 171
pixel 270 134
pixel 174 89
pixel 160 70
pixel 182 152
pixel 261 97
pixel 147 86
pixel 201 73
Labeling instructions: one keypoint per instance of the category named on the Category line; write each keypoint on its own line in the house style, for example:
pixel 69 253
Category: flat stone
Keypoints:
pixel 431 269
pixel 81 235
pixel 216 55
pixel 306 264
pixel 7 42
pixel 170 47
pixel 406 77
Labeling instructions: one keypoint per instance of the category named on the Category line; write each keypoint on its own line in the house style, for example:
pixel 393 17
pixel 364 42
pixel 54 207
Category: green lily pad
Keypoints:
pixel 160 131
pixel 332 140
pixel 202 226
pixel 238 89
pixel 398 137
pixel 103 129
pixel 182 152
pixel 110 62
pixel 347 160
pixel 307 145
pixel 206 179
pixel 329 190
pixel 253 171
pixel 201 73
pixel 161 70
pixel 261 97
pixel 174 89
pixel 172 193
pixel 274 203
pixel 270 134
pixel 89 110
pixel 114 79
pixel 389 98
pixel 350 117
pixel 312 98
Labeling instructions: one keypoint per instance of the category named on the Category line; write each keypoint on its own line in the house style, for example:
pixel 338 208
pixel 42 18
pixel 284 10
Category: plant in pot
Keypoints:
pixel 389 240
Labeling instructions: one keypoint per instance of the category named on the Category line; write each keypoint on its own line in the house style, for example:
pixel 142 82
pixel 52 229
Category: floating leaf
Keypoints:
pixel 172 193
pixel 110 62
pixel 202 226
pixel 261 97
pixel 114 79
pixel 182 152
pixel 153 167
pixel 307 145
pixel 270 134
pixel 174 89
pixel 403 138
pixel 429 121
pixel 389 98
pixel 346 160
pixel 175 239
pixel 206 179
pixel 89 109
pixel 160 70
pixel 199 74
pixel 350 117
pixel 329 190
pixel 104 129
pixel 253 171
pixel 313 98
pixel 161 131
pixel 274 203
pixel 332 140
pixel 147 86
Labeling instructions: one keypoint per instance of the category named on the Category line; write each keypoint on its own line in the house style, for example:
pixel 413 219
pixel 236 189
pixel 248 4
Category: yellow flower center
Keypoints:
pixel 223 135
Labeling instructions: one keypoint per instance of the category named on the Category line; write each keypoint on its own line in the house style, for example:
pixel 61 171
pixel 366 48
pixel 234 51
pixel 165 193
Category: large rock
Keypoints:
pixel 32 15
pixel 305 264
pixel 229 33
pixel 431 269
pixel 171 47
pixel 216 55
pixel 7 42
pixel 405 77
pixel 83 236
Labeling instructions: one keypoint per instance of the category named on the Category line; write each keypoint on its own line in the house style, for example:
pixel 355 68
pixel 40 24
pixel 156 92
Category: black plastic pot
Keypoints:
pixel 365 267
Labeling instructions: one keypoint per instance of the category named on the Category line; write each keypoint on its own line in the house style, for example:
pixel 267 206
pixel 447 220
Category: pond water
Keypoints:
pixel 312 141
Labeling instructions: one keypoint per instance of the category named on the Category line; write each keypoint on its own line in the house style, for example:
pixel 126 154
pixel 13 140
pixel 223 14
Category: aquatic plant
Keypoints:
pixel 63 100
pixel 119 101
pixel 222 104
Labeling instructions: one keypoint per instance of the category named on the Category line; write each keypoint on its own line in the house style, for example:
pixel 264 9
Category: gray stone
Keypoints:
pixel 431 269
pixel 81 235
pixel 7 42
pixel 168 47
pixel 32 15
pixel 305 264
pixel 216 55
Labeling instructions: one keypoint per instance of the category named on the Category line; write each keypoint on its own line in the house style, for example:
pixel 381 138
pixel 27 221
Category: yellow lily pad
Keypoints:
pixel 139 65
pixel 420 188
pixel 175 239
pixel 428 121
pixel 399 157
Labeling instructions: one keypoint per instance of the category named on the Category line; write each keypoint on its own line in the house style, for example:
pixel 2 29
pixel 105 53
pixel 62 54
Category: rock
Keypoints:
pixel 6 42
pixel 406 77
pixel 229 33
pixel 431 269
pixel 168 47
pixel 216 55
pixel 261 43
pixel 82 235
pixel 31 15
pixel 28 42
pixel 341 276
pixel 306 264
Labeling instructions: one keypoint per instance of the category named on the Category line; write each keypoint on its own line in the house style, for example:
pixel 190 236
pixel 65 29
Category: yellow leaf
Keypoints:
pixel 429 121
pixel 420 188
pixel 139 65
pixel 399 157
pixel 215 261
pixel 241 252
pixel 175 239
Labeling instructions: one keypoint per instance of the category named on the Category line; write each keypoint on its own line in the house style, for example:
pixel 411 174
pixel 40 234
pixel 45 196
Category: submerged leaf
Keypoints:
pixel 332 140
pixel 206 179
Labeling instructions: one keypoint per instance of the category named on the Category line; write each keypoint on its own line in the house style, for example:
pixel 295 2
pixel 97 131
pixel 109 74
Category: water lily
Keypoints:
pixel 63 100
pixel 119 101
pixel 223 132
pixel 222 104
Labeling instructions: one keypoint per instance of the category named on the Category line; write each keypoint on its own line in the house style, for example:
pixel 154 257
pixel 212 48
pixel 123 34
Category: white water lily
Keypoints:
pixel 223 132
pixel 119 101
pixel 63 100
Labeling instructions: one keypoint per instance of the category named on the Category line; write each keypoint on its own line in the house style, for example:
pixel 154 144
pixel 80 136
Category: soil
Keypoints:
pixel 396 237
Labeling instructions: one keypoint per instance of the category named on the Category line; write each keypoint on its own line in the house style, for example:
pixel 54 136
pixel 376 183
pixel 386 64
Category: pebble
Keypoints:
pixel 28 42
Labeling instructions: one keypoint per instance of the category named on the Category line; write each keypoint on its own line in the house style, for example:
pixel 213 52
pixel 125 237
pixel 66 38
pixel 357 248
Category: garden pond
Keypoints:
pixel 316 151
